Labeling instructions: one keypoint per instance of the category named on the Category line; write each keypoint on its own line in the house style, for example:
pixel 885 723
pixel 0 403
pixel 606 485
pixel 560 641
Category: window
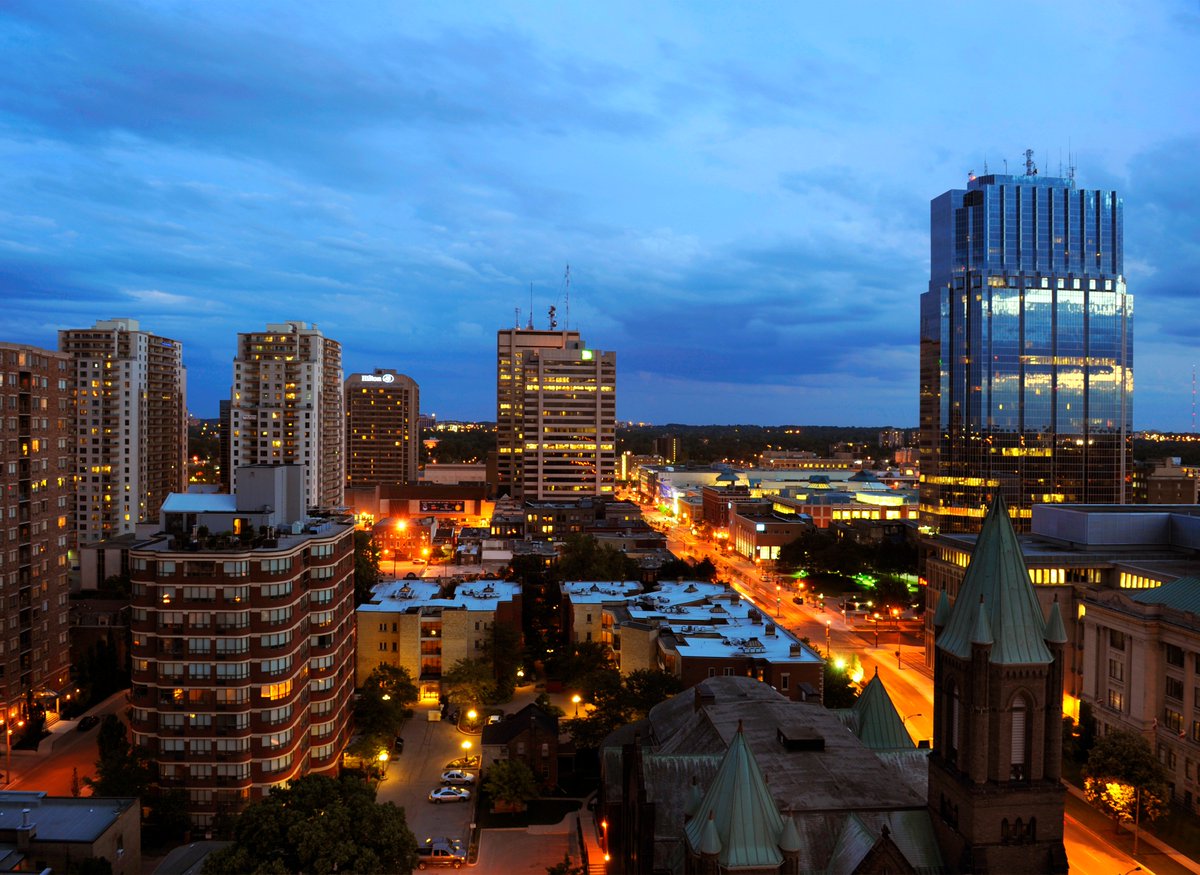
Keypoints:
pixel 1116 700
pixel 1116 640
pixel 1174 655
pixel 1019 771
pixel 239 568
pixel 274 692
pixel 785 682
pixel 276 590
pixel 276 566
pixel 1173 720
pixel 275 640
pixel 1174 688
pixel 1116 669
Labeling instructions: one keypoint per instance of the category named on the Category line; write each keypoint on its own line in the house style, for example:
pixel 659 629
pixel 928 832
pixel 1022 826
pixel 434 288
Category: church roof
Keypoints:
pixel 1182 594
pixel 877 723
pixel 1056 632
pixel 996 592
pixel 741 809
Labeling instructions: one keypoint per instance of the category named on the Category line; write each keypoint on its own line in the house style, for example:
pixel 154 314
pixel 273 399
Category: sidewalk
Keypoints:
pixel 1153 853
pixel 23 761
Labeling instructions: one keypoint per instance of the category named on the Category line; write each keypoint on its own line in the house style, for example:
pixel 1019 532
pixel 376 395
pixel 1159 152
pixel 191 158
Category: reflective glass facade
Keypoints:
pixel 1026 350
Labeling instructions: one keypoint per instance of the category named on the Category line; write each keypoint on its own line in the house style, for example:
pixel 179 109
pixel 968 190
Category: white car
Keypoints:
pixel 456 776
pixel 449 794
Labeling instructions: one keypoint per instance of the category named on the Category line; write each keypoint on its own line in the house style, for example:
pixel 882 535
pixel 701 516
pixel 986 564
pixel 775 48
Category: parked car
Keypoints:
pixel 429 856
pixel 798 599
pixel 495 718
pixel 449 794
pixel 457 776
pixel 464 763
pixel 453 844
pixel 88 722
pixel 398 745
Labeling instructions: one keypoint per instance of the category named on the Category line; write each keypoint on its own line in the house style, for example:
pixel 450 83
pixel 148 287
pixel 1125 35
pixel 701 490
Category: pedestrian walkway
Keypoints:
pixel 20 762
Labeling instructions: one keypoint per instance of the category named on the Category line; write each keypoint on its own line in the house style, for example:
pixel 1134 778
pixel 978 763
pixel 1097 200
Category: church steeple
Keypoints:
pixel 994 790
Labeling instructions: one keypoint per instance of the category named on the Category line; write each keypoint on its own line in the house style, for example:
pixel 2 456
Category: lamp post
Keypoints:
pixel 828 633
pixel 876 619
pixel 576 699
pixel 896 620
pixel 778 601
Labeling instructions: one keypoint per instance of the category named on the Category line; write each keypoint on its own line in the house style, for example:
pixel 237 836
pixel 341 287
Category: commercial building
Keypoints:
pixel 1026 375
pixel 1141 652
pixel 286 407
pixel 513 346
pixel 382 436
pixel 693 630
pixel 36 484
pixel 415 625
pixel 243 640
pixel 130 424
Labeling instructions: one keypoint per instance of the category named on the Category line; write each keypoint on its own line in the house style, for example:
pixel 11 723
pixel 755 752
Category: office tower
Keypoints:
pixel 668 448
pixel 512 346
pixel 224 431
pixel 1026 350
pixel 382 440
pixel 243 641
pixel 130 424
pixel 36 484
pixel 569 422
pixel 286 407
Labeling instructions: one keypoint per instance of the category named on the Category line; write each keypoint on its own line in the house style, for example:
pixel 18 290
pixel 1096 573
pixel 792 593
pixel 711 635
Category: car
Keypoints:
pixel 449 794
pixel 798 599
pixel 495 718
pixel 457 776
pixel 398 745
pixel 88 722
pixel 431 855
pixel 464 763
pixel 419 562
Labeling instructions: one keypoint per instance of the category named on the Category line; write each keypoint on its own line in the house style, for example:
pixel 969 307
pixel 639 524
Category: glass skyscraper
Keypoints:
pixel 1026 350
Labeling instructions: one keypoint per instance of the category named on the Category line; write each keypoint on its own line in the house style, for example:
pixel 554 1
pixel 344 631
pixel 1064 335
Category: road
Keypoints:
pixel 1091 849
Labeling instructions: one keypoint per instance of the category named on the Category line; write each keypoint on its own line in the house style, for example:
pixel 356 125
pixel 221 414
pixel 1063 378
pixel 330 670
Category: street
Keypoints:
pixel 1091 849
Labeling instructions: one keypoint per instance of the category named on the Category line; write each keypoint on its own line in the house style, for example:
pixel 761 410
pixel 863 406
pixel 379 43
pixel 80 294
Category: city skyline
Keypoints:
pixel 749 182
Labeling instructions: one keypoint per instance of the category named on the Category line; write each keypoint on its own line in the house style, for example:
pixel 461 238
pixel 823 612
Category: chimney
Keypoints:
pixel 26 832
pixel 771 629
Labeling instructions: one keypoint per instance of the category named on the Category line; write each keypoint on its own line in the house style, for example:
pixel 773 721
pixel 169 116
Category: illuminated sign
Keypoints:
pixel 376 378
pixel 442 506
pixel 587 355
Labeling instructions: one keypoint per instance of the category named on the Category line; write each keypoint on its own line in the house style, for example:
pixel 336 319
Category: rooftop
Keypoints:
pixel 408 595
pixel 61 818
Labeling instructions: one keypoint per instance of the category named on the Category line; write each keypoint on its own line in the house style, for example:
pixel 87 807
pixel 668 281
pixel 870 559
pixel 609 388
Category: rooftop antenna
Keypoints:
pixel 567 297
pixel 1006 167
pixel 1030 168
pixel 985 170
pixel 517 323
pixel 553 317
pixel 531 306
pixel 1070 162
pixel 1193 399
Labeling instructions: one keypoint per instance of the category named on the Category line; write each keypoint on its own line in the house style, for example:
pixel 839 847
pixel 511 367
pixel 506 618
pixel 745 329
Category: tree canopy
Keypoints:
pixel 470 682
pixel 582 557
pixel 318 825
pixel 614 701
pixel 511 783
pixel 366 566
pixel 1122 775
pixel 122 769
pixel 381 707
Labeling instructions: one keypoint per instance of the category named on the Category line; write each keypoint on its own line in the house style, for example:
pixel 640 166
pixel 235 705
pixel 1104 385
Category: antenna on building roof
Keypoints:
pixel 531 306
pixel 1193 398
pixel 567 298
pixel 553 317
pixel 1030 167
pixel 1006 167
pixel 517 323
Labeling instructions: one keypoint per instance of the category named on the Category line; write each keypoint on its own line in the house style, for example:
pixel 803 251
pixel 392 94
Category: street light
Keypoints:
pixel 896 620
pixel 828 632
pixel 778 601
pixel 876 619
pixel 576 699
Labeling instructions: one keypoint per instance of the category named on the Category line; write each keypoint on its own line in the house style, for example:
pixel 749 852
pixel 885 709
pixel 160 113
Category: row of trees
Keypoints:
pixel 822 552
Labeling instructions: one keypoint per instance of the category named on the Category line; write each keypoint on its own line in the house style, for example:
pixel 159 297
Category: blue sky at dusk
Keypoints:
pixel 741 189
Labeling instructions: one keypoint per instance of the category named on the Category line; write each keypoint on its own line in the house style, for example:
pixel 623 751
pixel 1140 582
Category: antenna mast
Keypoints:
pixel 1193 399
pixel 567 296
pixel 517 321
pixel 531 306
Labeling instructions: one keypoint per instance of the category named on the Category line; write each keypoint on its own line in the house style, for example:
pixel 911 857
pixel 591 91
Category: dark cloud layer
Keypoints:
pixel 742 194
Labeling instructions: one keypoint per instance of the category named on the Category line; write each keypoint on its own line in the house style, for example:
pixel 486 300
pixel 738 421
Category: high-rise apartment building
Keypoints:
pixel 286 407
pixel 569 419
pixel 382 436
pixel 130 424
pixel 36 485
pixel 512 347
pixel 1026 350
pixel 243 641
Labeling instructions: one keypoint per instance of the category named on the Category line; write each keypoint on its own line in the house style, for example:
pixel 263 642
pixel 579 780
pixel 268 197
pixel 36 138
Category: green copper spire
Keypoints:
pixel 877 723
pixel 1010 614
pixel 1056 632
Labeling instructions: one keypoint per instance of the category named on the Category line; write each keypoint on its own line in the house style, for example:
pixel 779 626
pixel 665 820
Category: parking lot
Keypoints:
pixel 412 774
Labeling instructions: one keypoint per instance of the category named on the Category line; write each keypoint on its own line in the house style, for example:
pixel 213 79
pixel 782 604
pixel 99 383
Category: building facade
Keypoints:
pixel 382 434
pixel 569 423
pixel 286 407
pixel 513 345
pixel 243 641
pixel 1026 350
pixel 130 425
pixel 1142 652
pixel 36 486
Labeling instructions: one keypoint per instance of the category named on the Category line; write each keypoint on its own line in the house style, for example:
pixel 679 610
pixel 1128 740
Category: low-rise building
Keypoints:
pixel 583 603
pixel 530 736
pixel 40 833
pixel 417 625
pixel 1141 657
pixel 758 535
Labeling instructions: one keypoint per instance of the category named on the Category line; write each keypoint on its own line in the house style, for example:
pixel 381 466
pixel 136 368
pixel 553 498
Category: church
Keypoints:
pixel 732 776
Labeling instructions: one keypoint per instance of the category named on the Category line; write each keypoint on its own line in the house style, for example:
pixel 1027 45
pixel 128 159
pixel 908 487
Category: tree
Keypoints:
pixel 318 825
pixel 382 703
pixel 582 557
pixel 366 566
pixel 469 681
pixel 892 592
pixel 839 691
pixel 565 868
pixel 503 648
pixel 511 783
pixel 1122 775
pixel 579 660
pixel 122 769
pixel 645 688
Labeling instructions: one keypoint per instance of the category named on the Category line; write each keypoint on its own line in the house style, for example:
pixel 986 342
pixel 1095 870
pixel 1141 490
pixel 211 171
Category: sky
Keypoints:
pixel 741 190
